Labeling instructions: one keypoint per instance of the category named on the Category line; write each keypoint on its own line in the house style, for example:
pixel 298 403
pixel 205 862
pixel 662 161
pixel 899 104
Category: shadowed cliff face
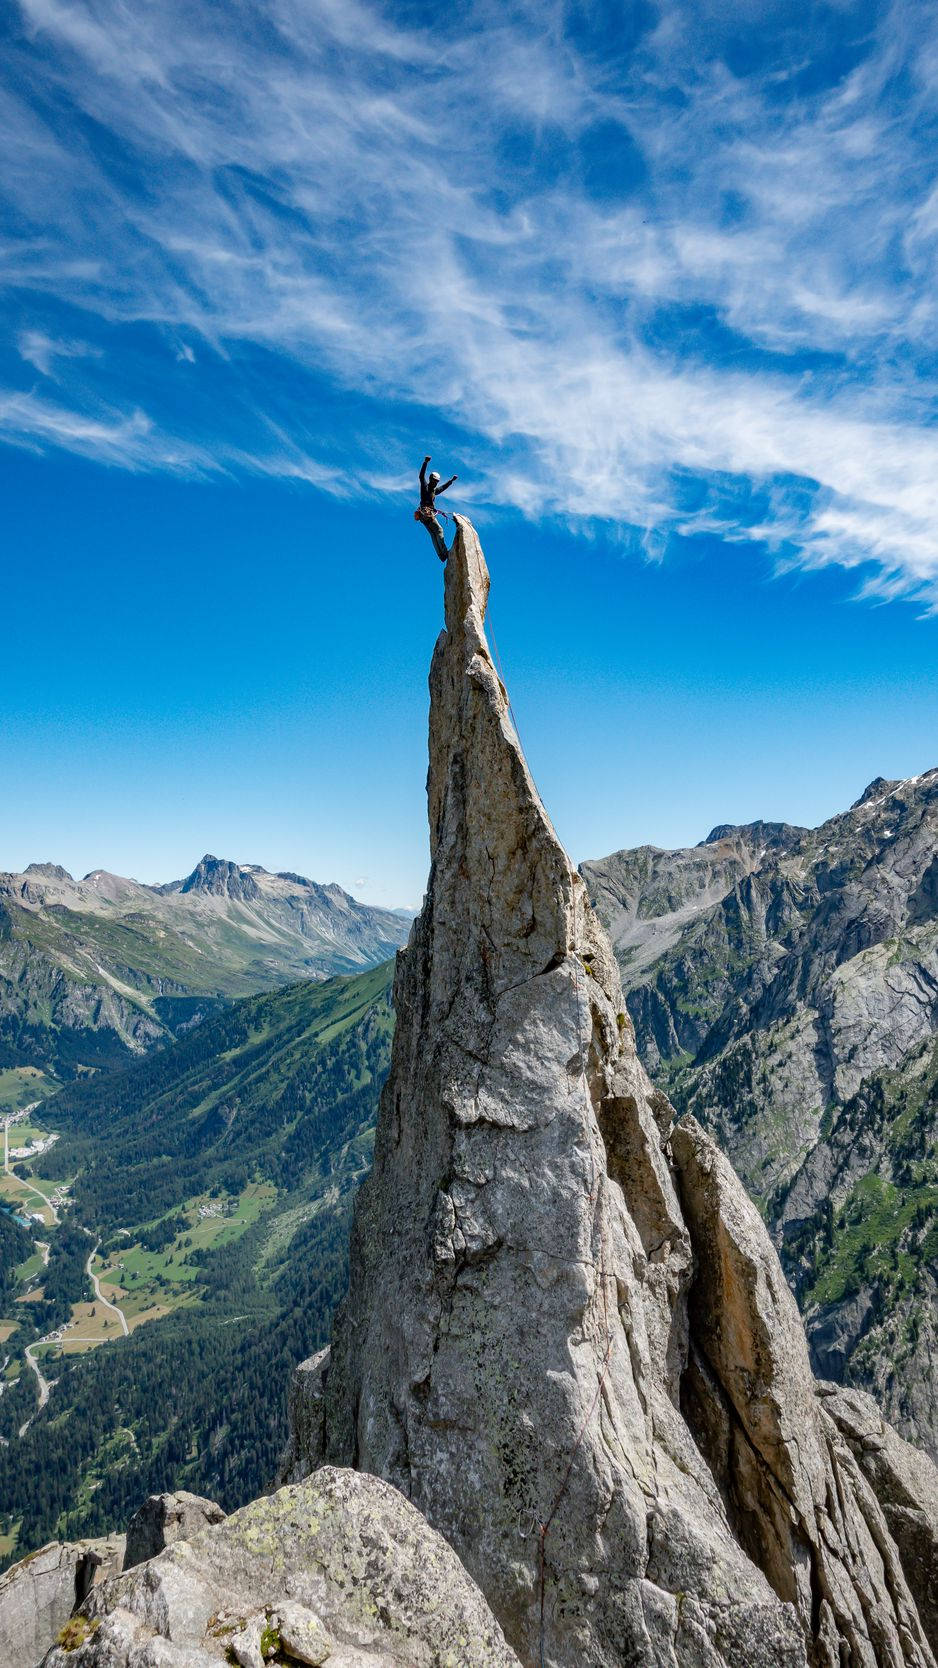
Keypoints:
pixel 783 983
pixel 567 1336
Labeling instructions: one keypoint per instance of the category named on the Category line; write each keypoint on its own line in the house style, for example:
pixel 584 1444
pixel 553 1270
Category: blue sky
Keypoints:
pixel 663 292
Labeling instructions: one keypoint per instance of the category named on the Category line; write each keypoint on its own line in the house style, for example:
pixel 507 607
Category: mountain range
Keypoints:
pixel 781 981
pixel 566 1337
pixel 97 970
pixel 567 1415
pixel 783 984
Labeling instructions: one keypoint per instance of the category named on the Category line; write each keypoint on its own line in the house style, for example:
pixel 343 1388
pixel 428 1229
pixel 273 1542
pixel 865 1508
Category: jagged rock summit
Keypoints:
pixel 567 1338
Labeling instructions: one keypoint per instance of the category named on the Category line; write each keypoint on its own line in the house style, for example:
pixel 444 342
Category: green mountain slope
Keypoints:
pixel 254 1091
pixel 15 1247
pixel 216 1175
pixel 93 972
pixel 783 983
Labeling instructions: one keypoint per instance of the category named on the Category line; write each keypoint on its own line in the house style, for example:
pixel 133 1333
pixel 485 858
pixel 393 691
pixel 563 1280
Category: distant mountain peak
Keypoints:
pixel 877 789
pixel 50 871
pixel 222 878
pixel 771 835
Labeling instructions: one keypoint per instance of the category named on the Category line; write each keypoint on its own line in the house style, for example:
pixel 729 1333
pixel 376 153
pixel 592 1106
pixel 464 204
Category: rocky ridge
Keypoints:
pixel 341 1572
pixel 783 983
pixel 41 1592
pixel 568 1339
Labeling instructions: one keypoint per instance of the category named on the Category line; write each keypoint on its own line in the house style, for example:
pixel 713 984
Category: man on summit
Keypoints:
pixel 430 489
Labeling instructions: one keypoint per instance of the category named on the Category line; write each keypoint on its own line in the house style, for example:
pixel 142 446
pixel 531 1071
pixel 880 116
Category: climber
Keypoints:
pixel 430 488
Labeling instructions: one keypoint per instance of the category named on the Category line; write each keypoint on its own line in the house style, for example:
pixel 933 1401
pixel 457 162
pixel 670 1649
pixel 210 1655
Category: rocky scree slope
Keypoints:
pixel 568 1339
pixel 97 970
pixel 783 983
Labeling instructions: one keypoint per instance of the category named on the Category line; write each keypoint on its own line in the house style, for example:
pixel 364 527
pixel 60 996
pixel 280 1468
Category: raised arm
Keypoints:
pixel 446 484
pixel 423 471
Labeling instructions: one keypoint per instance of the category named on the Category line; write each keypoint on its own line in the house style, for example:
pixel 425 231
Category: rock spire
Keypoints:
pixel 567 1337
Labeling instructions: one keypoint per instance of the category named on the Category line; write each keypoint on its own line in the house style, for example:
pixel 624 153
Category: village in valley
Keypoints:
pixel 126 1284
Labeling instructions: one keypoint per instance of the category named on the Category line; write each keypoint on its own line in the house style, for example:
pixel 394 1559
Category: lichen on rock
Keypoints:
pixel 338 1570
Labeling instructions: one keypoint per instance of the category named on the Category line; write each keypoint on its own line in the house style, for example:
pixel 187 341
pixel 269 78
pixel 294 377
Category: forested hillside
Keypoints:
pixel 216 1176
pixel 15 1246
pixel 262 1090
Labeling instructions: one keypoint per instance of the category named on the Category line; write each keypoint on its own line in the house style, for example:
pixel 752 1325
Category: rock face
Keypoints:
pixel 305 1414
pixel 567 1337
pixel 783 983
pixel 164 1518
pixel 905 1482
pixel 794 1494
pixel 339 1570
pixel 39 1594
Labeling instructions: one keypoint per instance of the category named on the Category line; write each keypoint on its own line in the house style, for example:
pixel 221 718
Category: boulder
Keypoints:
pixel 339 1569
pixel 164 1518
pixel 39 1594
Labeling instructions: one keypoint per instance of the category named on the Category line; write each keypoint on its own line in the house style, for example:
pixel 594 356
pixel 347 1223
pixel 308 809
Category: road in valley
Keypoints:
pixel 53 1211
pixel 100 1295
pixel 44 1385
pixel 56 1337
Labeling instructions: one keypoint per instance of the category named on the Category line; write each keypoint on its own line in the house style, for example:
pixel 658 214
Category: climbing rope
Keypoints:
pixel 501 678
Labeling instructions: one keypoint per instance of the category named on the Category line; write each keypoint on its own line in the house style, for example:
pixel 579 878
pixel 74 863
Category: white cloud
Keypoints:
pixel 26 419
pixel 135 442
pixel 40 350
pixel 409 212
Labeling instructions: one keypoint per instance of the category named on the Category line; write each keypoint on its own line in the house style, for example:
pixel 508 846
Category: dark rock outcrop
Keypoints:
pixel 164 1518
pixel 222 879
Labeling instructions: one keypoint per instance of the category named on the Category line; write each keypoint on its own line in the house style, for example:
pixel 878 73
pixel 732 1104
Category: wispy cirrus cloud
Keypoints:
pixel 42 351
pixel 669 281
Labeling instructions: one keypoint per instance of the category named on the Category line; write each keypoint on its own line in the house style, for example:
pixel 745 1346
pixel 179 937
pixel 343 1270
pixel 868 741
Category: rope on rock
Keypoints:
pixel 501 679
